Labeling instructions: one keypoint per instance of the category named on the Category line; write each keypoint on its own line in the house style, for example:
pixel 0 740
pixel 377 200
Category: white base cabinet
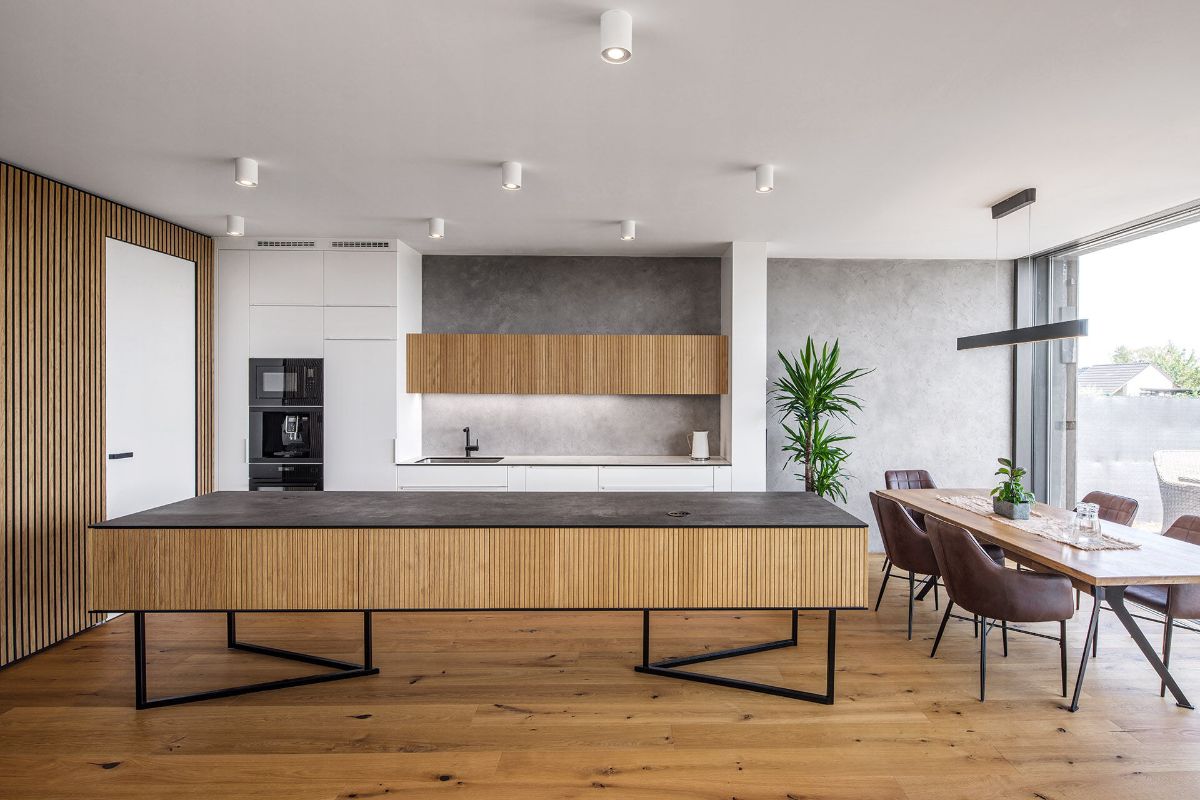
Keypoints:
pixel 560 478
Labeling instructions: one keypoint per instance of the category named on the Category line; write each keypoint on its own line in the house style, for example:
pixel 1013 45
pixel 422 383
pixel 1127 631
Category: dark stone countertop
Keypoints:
pixel 493 510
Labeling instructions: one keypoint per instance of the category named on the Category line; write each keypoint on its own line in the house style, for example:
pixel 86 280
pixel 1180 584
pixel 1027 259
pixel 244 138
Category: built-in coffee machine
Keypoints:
pixel 285 444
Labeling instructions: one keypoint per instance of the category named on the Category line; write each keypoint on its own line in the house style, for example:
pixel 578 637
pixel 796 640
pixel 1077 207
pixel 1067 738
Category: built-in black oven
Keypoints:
pixel 285 478
pixel 290 434
pixel 285 382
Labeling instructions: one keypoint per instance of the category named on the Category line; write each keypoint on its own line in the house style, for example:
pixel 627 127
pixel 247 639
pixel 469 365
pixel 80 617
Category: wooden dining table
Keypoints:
pixel 1104 574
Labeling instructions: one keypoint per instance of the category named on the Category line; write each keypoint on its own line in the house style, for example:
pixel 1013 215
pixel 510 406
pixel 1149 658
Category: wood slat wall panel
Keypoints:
pixel 52 392
pixel 493 363
pixel 477 568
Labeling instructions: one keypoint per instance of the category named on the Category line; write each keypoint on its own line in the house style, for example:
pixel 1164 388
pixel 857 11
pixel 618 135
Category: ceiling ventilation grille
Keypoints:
pixel 369 245
pixel 280 243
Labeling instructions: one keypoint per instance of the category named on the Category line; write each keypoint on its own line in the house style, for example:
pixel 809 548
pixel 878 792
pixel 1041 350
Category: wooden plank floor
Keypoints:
pixel 546 705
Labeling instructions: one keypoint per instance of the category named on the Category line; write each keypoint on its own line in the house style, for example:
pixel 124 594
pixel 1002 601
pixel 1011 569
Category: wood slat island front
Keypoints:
pixel 386 551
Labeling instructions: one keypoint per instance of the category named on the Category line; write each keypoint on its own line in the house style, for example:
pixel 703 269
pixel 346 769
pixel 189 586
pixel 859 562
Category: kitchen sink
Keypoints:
pixel 462 460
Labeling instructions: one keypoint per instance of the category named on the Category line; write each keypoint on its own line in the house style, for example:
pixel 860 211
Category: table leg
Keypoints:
pixel 1116 601
pixel 1097 596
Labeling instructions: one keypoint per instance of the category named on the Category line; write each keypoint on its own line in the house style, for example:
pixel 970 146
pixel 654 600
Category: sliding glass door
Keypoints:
pixel 1118 410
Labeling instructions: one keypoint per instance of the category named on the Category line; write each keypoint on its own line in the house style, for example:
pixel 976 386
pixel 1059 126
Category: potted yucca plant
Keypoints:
pixel 812 393
pixel 1011 499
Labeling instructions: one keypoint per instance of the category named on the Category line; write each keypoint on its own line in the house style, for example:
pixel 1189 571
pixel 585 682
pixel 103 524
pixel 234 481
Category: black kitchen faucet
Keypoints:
pixel 470 448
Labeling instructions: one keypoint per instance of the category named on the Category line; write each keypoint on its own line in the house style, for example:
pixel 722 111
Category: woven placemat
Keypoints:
pixel 1039 524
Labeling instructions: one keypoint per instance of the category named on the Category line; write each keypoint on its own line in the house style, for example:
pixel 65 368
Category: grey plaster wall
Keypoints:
pixel 927 405
pixel 556 425
pixel 569 294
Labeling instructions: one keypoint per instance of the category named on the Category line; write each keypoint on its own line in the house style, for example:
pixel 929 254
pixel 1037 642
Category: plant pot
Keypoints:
pixel 1010 510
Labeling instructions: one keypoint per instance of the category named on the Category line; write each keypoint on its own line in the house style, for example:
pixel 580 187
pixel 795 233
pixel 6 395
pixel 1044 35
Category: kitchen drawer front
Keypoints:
pixel 562 479
pixel 286 332
pixel 656 479
pixel 360 322
pixel 451 477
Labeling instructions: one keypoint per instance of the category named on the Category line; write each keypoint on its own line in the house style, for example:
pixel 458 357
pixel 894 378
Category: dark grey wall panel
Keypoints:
pixel 571 294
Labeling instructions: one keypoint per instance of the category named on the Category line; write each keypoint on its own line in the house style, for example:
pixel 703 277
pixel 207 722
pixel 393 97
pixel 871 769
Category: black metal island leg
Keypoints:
pixel 343 669
pixel 669 668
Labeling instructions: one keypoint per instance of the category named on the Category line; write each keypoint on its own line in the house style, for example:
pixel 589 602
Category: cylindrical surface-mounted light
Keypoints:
pixel 616 36
pixel 764 178
pixel 628 230
pixel 245 172
pixel 235 225
pixel 437 228
pixel 510 175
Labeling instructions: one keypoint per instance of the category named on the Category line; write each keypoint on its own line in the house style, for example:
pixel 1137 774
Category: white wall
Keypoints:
pixel 926 406
pixel 744 321
pixel 408 320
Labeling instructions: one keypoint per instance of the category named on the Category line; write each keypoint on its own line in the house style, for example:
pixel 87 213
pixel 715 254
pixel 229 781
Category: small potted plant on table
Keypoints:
pixel 1011 499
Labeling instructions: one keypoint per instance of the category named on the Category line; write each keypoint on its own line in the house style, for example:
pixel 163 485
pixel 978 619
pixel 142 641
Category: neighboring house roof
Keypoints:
pixel 1111 378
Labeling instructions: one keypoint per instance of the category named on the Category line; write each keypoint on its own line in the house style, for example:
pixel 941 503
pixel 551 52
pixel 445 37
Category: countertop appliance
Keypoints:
pixel 699 442
pixel 286 443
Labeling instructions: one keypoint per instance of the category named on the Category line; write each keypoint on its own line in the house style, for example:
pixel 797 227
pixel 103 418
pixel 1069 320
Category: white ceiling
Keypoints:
pixel 893 125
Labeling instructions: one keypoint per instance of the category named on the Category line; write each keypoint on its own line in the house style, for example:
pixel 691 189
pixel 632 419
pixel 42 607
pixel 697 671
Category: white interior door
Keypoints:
pixel 149 378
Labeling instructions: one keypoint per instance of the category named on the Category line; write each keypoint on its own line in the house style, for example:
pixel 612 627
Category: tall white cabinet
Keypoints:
pixel 338 300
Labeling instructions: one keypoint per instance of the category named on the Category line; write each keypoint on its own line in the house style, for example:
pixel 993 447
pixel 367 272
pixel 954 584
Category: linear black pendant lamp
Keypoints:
pixel 1067 329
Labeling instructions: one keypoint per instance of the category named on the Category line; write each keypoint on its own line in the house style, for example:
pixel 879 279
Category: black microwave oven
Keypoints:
pixel 286 382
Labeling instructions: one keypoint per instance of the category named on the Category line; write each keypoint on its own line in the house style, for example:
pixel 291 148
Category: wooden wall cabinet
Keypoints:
pixel 493 363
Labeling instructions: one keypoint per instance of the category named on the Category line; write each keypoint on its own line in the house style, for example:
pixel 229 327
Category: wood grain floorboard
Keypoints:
pixel 546 706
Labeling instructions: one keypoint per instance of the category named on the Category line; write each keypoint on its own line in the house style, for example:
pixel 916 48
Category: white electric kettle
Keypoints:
pixel 699 444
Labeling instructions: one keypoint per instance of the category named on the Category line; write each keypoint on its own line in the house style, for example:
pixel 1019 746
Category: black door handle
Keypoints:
pixel 115 456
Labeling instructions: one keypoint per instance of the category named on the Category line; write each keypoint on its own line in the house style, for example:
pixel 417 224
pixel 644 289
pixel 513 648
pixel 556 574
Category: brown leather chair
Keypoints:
pixel 979 585
pixel 906 546
pixel 1114 507
pixel 1173 602
pixel 909 479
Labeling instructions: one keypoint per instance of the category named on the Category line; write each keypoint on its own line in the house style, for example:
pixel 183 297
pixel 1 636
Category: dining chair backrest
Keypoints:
pixel 964 566
pixel 1184 598
pixel 907 545
pixel 1114 507
pixel 908 479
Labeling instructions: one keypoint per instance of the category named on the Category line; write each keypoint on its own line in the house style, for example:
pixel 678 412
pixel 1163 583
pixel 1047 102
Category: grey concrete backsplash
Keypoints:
pixel 566 425
pixel 926 406
pixel 570 294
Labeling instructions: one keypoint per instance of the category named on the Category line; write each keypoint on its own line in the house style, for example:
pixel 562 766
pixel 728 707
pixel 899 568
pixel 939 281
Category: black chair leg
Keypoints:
pixel 975 623
pixel 935 595
pixel 1062 652
pixel 912 582
pixel 1004 634
pixel 886 574
pixel 983 658
pixel 887 564
pixel 1162 689
pixel 941 628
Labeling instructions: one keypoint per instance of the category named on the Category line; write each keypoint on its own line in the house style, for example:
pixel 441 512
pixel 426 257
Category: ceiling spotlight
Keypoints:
pixel 437 228
pixel 235 225
pixel 628 230
pixel 245 172
pixel 616 36
pixel 764 178
pixel 510 175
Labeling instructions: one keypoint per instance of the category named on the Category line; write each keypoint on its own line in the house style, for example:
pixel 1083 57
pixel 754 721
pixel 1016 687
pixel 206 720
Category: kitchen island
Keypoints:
pixel 361 552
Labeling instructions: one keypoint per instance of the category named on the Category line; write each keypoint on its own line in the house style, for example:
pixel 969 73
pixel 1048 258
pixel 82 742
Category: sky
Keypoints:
pixel 1141 293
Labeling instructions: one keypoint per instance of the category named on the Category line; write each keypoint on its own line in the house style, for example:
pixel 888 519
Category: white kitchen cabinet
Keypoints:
pixel 452 477
pixel 516 478
pixel 233 381
pixel 360 415
pixel 360 278
pixel 286 332
pixel 360 322
pixel 287 277
pixel 722 479
pixel 562 479
pixel 656 479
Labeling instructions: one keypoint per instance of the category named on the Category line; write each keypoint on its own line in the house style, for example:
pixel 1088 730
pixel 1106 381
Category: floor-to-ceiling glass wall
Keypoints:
pixel 1124 402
